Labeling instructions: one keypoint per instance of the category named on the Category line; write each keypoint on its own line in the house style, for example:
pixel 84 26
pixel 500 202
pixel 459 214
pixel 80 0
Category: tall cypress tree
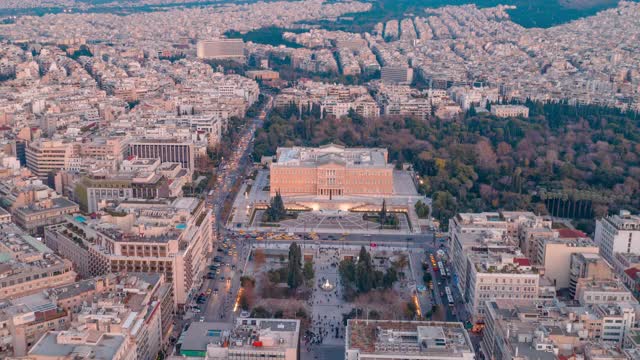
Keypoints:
pixel 294 267
pixel 364 271
pixel 383 213
pixel 276 210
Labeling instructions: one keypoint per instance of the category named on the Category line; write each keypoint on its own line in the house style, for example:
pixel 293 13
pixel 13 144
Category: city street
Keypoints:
pixel 219 305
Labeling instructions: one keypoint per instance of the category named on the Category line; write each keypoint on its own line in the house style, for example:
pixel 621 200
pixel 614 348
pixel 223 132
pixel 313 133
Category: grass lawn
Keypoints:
pixel 376 219
pixel 288 216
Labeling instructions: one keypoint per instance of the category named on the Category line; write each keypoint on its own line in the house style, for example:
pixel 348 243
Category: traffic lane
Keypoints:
pixel 217 301
pixel 418 273
pixel 451 311
pixel 412 240
pixel 225 177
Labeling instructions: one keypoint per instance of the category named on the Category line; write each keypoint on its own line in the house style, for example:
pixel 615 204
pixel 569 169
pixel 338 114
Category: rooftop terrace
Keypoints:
pixel 407 337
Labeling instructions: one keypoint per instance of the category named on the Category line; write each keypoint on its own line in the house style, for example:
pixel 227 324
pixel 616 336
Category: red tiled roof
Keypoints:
pixel 570 233
pixel 632 272
pixel 568 357
pixel 522 261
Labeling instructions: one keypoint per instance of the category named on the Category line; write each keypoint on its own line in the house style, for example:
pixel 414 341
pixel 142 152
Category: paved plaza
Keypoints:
pixel 327 306
pixel 324 338
pixel 319 221
pixel 335 221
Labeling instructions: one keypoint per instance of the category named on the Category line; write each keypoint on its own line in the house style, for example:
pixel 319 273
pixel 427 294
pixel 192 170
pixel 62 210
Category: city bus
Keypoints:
pixel 447 290
pixel 443 271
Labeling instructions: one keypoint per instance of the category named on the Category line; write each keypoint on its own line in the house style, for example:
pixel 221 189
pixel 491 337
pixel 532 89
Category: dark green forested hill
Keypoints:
pixel 571 161
pixel 528 13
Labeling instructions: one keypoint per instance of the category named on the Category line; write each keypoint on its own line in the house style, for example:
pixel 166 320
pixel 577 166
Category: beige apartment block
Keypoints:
pixel 34 217
pixel 167 237
pixel 27 266
pixel 555 256
pixel 45 156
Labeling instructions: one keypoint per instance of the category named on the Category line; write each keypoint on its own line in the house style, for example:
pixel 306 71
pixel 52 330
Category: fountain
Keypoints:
pixel 327 286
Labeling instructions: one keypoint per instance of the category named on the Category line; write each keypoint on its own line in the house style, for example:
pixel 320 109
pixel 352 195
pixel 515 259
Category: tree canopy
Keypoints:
pixel 480 162
pixel 276 210
pixel 361 276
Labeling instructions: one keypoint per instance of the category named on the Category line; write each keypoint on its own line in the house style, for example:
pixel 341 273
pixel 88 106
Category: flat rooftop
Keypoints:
pixel 96 346
pixel 162 221
pixel 245 334
pixel 201 334
pixel 72 290
pixel 624 221
pixel 399 338
pixel 495 218
pixel 350 157
pixel 20 253
pixel 56 203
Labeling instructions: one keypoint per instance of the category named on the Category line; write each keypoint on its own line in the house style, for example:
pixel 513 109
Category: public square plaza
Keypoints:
pixel 321 301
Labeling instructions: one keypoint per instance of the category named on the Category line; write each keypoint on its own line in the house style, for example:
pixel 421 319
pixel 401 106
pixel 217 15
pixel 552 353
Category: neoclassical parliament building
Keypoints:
pixel 331 171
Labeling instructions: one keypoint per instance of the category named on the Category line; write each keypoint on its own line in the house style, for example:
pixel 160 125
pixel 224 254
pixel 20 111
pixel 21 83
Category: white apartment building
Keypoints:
pixel 505 111
pixel 418 107
pixel 83 344
pixel 220 49
pixel 396 74
pixel 168 150
pixel 134 310
pixel 617 320
pixel 618 234
pixel 539 329
pixel 364 107
pixel 498 275
pixel 467 97
pixel 490 230
pixel 592 291
pixel 278 338
pixel 247 339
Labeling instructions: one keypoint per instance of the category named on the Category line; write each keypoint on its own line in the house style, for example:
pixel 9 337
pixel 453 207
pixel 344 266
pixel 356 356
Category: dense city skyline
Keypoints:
pixel 307 180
